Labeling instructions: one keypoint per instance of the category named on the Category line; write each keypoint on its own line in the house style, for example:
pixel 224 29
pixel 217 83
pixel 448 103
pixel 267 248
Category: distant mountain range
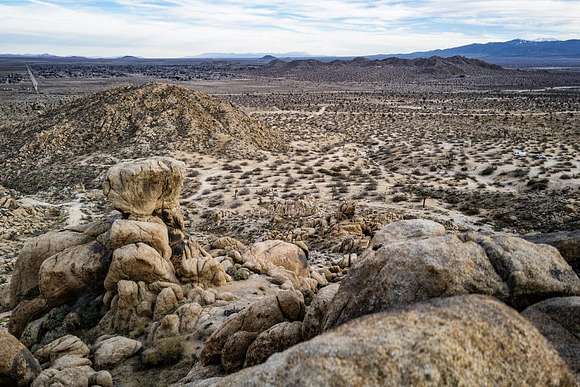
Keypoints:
pixel 515 53
pixel 261 55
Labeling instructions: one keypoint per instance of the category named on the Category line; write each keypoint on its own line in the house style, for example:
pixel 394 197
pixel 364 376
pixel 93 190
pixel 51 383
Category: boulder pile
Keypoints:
pixel 103 303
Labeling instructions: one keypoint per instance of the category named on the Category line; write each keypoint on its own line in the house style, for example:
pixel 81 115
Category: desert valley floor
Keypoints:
pixel 316 162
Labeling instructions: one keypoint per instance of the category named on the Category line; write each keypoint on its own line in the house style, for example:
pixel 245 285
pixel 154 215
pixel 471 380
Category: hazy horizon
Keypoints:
pixel 182 28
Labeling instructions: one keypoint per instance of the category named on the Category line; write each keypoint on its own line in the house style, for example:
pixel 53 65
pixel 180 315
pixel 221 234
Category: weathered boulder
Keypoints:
pixel 558 319
pixel 17 365
pixel 71 361
pixel 165 303
pixel 532 272
pixel 286 305
pixel 125 232
pixel 66 345
pixel 73 271
pixel 315 315
pixel 275 339
pixel 413 271
pixel 397 273
pixel 567 243
pixel 465 340
pixel 145 186
pixel 101 378
pixel 193 264
pixel 24 282
pixel 138 262
pixel 189 315
pixel 264 255
pixel 109 352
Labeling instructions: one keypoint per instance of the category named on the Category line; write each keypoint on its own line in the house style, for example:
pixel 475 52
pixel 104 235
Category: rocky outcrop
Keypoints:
pixel 466 340
pixel 17 365
pixel 417 269
pixel 558 319
pixel 140 246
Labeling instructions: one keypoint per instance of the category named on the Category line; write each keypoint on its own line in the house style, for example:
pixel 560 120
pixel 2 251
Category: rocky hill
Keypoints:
pixel 363 69
pixel 130 122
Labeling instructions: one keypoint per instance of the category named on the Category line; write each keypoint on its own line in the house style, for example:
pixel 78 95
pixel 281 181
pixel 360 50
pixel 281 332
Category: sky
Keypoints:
pixel 178 28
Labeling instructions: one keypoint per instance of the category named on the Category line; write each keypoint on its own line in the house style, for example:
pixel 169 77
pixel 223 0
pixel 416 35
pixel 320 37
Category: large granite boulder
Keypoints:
pixel 413 270
pixel 138 262
pixel 73 271
pixel 466 341
pixel 146 186
pixel 125 232
pixel 24 282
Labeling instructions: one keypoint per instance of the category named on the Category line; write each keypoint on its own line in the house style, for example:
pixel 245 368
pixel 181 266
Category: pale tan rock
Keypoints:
pixel 131 309
pixel 228 243
pixel 168 327
pixel 35 251
pixel 145 186
pixel 558 319
pixel 414 270
pixel 71 361
pixel 73 271
pixel 138 262
pixel 166 302
pixel 126 232
pixel 101 378
pixel 193 264
pixel 407 229
pixel 533 272
pixel 277 253
pixel 188 317
pixel 76 376
pixel 112 351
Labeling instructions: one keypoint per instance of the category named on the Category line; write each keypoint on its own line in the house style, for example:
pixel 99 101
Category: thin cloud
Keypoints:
pixel 162 28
